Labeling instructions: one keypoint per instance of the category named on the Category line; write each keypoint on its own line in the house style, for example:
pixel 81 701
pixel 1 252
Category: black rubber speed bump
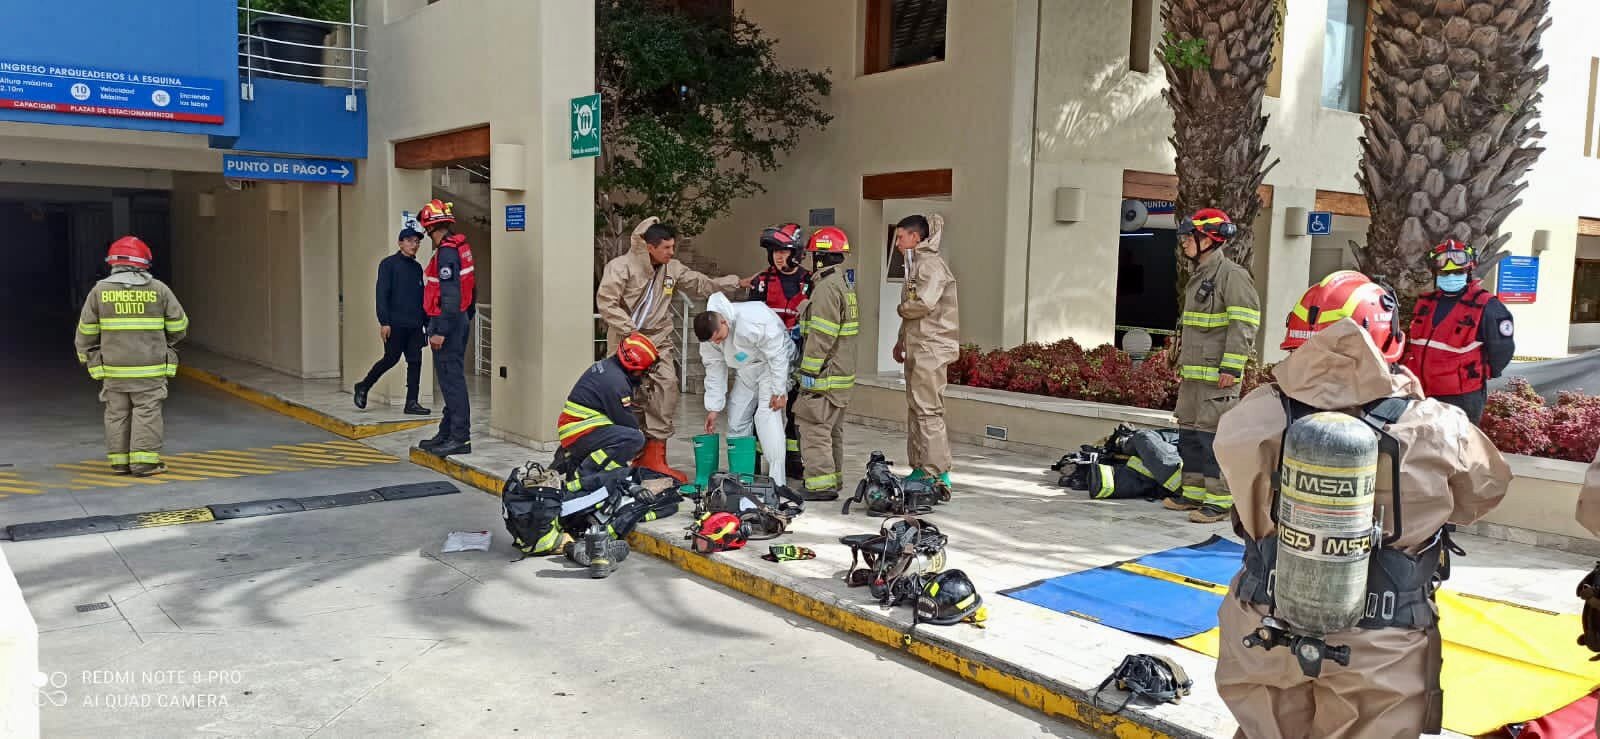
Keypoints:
pixel 223 511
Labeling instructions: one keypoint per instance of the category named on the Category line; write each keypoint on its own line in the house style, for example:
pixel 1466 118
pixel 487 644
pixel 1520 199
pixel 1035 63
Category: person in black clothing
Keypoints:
pixel 784 287
pixel 400 320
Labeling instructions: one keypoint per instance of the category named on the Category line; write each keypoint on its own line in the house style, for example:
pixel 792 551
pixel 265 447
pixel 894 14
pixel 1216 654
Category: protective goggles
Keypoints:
pixel 1453 259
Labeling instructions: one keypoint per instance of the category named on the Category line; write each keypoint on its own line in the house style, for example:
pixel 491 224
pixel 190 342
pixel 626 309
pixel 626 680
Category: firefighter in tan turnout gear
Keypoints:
pixel 637 294
pixel 929 343
pixel 829 322
pixel 126 334
pixel 1320 638
pixel 1221 313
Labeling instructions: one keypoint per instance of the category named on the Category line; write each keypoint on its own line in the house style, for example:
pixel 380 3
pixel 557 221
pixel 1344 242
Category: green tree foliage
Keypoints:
pixel 694 110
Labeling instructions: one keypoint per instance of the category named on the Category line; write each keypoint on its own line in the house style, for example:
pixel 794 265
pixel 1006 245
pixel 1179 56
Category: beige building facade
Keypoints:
pixel 1044 116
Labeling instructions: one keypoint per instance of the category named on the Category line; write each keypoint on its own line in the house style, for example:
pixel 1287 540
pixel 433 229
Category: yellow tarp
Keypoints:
pixel 1503 663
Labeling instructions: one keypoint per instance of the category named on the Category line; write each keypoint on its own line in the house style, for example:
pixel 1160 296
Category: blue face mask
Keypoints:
pixel 1451 283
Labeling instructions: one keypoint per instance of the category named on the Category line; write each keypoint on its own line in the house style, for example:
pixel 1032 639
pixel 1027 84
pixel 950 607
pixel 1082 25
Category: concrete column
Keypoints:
pixel 319 281
pixel 542 279
pixel 1283 266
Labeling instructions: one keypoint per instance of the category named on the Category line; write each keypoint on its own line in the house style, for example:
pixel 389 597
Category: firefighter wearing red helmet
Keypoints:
pixel 830 322
pixel 1461 334
pixel 785 286
pixel 1433 469
pixel 126 333
pixel 638 293
pixel 1221 314
pixel 448 294
pixel 598 428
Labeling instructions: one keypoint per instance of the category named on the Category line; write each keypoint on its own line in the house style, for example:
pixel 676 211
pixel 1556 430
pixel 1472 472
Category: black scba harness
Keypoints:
pixel 890 558
pixel 886 494
pixel 1589 591
pixel 1400 586
pixel 765 507
pixel 1149 677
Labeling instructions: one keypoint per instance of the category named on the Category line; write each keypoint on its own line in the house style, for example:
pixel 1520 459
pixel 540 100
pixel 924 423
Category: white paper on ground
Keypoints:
pixel 466 541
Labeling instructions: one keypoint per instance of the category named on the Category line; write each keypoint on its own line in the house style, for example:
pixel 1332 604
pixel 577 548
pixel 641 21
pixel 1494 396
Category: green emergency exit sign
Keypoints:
pixel 586 126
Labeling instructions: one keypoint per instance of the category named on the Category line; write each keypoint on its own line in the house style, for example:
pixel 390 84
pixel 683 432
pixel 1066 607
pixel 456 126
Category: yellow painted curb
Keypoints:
pixel 300 412
pixel 1023 690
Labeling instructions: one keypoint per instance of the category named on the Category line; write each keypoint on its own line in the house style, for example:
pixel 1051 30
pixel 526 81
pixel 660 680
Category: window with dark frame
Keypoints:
pixel 1586 291
pixel 904 33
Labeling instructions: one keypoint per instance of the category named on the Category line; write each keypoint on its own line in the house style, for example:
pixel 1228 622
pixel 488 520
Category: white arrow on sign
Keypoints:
pixel 343 171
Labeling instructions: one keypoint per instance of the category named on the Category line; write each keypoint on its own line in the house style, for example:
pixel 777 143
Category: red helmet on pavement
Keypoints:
pixel 719 532
pixel 637 353
pixel 435 213
pixel 1347 294
pixel 829 240
pixel 129 251
pixel 1214 223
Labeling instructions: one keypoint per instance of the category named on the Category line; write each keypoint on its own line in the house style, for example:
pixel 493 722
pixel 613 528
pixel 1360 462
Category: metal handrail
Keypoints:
pixel 683 359
pixel 483 341
pixel 354 74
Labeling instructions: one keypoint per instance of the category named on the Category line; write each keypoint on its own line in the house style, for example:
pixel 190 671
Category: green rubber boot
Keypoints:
pixel 916 474
pixel 707 458
pixel 944 477
pixel 742 455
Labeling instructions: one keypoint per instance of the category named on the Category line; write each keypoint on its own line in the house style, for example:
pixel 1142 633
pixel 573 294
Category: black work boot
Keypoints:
pixel 819 494
pixel 598 545
pixel 428 445
pixel 452 447
pixel 417 409
pixel 361 395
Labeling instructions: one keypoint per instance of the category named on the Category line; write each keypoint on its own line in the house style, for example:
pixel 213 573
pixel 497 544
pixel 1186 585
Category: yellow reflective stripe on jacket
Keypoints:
pixel 1234 361
pixel 89 329
pixel 1204 320
pixel 1244 315
pixel 1175 481
pixel 83 358
pixel 113 372
pixel 835 382
pixel 588 419
pixel 182 324
pixel 825 326
pixel 1206 374
pixel 1137 465
pixel 132 324
pixel 1108 482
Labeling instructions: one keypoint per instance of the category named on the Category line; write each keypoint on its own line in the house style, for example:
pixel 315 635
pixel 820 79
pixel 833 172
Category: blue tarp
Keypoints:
pixel 1139 604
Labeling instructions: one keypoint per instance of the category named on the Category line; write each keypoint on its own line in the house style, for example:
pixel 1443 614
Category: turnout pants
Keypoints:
pixel 1200 406
pixel 605 449
pixel 750 405
pixel 927 440
pixel 449 367
pixel 405 342
pixel 822 441
pixel 134 429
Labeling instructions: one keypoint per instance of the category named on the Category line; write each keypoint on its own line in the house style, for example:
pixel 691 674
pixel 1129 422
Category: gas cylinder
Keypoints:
pixel 1326 531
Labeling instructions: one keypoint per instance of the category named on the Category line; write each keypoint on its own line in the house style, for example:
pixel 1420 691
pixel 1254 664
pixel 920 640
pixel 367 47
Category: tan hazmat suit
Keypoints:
pixel 930 332
pixel 126 333
pixel 1450 473
pixel 636 294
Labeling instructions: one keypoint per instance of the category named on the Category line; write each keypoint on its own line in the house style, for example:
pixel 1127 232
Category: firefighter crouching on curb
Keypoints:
pixel 636 295
pixel 1221 313
pixel 829 323
pixel 930 332
pixel 598 429
pixel 784 287
pixel 1462 335
pixel 1344 346
pixel 126 334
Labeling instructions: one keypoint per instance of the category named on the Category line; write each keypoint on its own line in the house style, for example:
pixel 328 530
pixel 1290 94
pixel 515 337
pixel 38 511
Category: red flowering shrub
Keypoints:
pixel 1574 428
pixel 962 368
pixel 1517 420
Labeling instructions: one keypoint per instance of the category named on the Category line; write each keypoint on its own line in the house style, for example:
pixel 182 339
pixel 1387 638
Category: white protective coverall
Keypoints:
pixel 758 349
